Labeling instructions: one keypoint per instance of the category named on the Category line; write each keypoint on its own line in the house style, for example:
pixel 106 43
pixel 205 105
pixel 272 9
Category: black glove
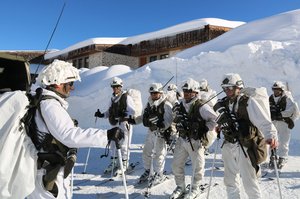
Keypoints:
pixel 115 134
pixel 70 161
pixel 98 114
pixel 75 122
pixel 131 120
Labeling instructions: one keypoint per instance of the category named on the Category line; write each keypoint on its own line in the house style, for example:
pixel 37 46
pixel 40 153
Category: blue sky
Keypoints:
pixel 28 24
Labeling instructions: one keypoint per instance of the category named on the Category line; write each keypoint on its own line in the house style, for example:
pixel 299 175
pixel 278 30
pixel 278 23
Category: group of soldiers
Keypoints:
pixel 192 118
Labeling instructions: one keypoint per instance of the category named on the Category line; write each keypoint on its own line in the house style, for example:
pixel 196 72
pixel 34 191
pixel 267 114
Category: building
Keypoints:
pixel 142 49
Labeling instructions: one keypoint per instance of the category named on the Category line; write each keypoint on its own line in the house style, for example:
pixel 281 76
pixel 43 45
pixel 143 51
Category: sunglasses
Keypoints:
pixel 154 93
pixel 187 90
pixel 70 84
pixel 116 86
pixel 228 88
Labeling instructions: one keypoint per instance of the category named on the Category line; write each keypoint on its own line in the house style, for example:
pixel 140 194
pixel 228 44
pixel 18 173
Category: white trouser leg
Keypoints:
pixel 178 164
pixel 249 177
pixel 230 155
pixel 124 143
pixel 284 135
pixel 161 152
pixel 147 150
pixel 198 161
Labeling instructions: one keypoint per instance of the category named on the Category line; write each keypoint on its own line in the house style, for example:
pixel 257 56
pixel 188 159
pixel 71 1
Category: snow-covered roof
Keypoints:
pixel 183 27
pixel 88 42
pixel 173 30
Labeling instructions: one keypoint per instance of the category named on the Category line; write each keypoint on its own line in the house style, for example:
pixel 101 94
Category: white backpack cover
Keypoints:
pixel 260 95
pixel 17 153
pixel 296 113
pixel 138 104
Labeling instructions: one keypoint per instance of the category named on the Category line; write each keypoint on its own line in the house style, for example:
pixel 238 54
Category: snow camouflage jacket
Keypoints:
pixel 284 107
pixel 162 110
pixel 253 127
pixel 121 107
pixel 194 120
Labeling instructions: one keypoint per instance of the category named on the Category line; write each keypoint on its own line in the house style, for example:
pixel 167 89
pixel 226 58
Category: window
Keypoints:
pixel 153 58
pixel 79 63
pixel 75 63
pixel 164 56
pixel 86 62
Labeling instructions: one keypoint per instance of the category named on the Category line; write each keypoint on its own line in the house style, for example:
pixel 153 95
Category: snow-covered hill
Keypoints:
pixel 261 52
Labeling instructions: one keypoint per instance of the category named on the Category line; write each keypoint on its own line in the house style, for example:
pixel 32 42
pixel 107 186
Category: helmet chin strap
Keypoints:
pixel 62 95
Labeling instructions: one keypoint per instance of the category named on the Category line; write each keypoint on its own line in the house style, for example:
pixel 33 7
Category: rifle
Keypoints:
pixel 228 123
pixel 184 122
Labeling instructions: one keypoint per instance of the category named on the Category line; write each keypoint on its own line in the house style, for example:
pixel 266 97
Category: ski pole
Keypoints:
pixel 122 169
pixel 72 182
pixel 128 144
pixel 88 154
pixel 86 160
pixel 212 170
pixel 276 170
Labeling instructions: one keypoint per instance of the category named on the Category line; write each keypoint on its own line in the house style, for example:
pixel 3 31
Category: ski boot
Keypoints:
pixel 179 192
pixel 158 178
pixel 112 166
pixel 193 194
pixel 119 170
pixel 144 177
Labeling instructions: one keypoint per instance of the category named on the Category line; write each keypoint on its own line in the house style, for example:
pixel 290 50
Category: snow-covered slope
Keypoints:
pixel 261 51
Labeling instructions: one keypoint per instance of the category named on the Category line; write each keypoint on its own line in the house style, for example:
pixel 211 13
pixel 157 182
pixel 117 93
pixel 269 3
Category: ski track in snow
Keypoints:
pixel 95 185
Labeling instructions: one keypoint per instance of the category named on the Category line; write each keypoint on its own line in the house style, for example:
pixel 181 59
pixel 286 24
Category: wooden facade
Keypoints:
pixel 144 51
pixel 177 42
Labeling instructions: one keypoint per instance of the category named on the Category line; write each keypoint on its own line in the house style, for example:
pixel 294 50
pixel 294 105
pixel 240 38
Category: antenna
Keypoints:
pixel 50 39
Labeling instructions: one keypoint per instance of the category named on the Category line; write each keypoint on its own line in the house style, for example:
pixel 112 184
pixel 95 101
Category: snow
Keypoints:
pixel 183 27
pixel 83 44
pixel 187 26
pixel 261 52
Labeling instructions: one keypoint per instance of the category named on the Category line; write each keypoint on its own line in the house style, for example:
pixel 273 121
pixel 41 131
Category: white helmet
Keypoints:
pixel 278 85
pixel 58 72
pixel 156 87
pixel 191 84
pixel 203 85
pixel 172 87
pixel 232 79
pixel 116 82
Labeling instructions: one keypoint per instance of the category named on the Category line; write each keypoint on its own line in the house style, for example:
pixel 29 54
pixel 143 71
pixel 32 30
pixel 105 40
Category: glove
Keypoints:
pixel 71 159
pixel 131 120
pixel 115 134
pixel 98 114
pixel 75 122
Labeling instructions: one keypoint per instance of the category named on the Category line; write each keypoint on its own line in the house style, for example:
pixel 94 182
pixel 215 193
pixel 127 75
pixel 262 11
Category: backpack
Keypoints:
pixel 258 149
pixel 138 104
pixel 296 114
pixel 16 148
pixel 260 95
